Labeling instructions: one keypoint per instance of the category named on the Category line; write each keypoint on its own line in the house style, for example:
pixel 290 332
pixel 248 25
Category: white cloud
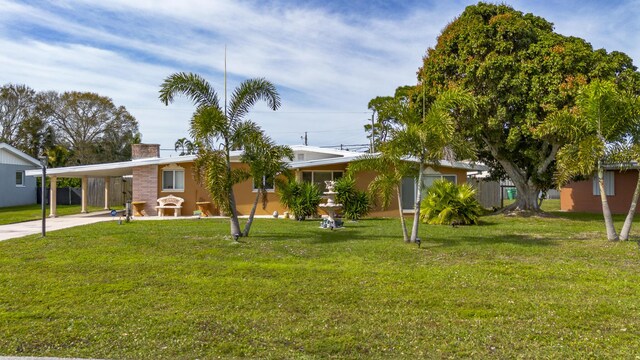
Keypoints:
pixel 328 66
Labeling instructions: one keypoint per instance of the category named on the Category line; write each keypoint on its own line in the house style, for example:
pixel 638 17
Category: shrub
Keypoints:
pixel 301 198
pixel 449 204
pixel 355 203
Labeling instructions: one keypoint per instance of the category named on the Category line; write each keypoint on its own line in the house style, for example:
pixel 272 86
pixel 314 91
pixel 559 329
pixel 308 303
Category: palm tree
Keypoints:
pixel 182 145
pixel 266 160
pixel 213 125
pixel 603 116
pixel 389 174
pixel 430 138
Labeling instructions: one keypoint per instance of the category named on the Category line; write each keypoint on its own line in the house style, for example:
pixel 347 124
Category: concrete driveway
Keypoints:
pixel 12 231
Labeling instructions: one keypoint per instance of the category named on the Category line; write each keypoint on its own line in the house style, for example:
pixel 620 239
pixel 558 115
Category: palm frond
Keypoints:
pixel 191 85
pixel 248 93
pixel 208 124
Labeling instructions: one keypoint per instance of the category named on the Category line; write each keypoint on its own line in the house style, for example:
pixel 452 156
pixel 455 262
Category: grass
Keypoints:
pixel 511 288
pixel 16 214
pixel 547 204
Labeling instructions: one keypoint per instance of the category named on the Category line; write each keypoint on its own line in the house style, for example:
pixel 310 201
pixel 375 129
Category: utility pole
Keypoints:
pixel 373 146
pixel 225 80
pixel 304 138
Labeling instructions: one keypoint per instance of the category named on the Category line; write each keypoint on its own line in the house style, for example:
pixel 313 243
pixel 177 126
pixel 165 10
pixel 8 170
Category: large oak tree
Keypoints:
pixel 521 73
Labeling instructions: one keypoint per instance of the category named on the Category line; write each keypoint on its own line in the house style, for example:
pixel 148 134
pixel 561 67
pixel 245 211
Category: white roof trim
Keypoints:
pixel 110 169
pixel 320 150
pixel 126 167
pixel 20 154
pixel 320 162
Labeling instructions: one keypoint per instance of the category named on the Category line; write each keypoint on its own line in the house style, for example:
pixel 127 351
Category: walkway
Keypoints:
pixel 12 231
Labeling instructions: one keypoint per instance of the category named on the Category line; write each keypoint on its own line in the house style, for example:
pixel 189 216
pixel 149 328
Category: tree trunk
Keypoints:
pixel 405 233
pixel 247 226
pixel 606 212
pixel 416 207
pixel 626 228
pixel 234 222
pixel 527 197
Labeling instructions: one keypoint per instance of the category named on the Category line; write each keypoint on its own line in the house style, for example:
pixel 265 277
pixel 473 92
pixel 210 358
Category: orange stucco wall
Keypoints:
pixel 245 196
pixel 578 196
pixel 192 193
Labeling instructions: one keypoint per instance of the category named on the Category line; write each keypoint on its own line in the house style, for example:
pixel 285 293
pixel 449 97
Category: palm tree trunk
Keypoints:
pixel 626 228
pixel 247 226
pixel 234 223
pixel 606 212
pixel 416 207
pixel 405 233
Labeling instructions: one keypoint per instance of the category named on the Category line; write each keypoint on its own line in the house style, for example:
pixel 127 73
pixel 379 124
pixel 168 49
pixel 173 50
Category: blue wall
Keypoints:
pixel 12 195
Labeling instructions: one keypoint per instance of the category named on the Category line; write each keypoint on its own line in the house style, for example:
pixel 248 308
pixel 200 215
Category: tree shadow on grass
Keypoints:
pixel 514 239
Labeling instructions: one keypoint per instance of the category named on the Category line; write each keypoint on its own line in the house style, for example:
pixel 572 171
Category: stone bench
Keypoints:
pixel 169 202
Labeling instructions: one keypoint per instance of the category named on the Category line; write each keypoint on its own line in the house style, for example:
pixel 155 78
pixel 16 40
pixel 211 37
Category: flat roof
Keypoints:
pixel 125 168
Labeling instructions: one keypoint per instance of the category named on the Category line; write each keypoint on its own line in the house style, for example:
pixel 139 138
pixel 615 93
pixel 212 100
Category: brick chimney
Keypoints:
pixel 144 151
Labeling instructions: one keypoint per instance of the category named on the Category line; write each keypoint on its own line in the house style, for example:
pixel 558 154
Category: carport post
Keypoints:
pixel 43 194
pixel 106 192
pixel 53 197
pixel 85 185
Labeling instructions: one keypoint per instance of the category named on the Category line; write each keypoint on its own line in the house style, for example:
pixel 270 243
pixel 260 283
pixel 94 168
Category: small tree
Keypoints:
pixel 389 171
pixel 210 123
pixel 266 160
pixel 429 138
pixel 603 115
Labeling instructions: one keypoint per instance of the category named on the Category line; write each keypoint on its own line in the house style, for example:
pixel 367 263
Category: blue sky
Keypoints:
pixel 327 58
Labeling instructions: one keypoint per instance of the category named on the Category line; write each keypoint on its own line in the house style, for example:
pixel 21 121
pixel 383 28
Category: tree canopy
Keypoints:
pixel 521 74
pixel 72 128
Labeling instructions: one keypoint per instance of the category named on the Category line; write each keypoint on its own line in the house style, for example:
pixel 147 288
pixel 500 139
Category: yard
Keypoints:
pixel 511 288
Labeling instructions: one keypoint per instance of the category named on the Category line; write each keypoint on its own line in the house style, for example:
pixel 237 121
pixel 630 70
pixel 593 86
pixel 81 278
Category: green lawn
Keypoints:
pixel 547 205
pixel 511 288
pixel 16 214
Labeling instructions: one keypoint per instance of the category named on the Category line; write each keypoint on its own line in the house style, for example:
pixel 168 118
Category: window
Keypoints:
pixel 319 177
pixel 19 178
pixel 609 184
pixel 409 188
pixel 173 180
pixel 428 180
pixel 300 157
pixel 268 181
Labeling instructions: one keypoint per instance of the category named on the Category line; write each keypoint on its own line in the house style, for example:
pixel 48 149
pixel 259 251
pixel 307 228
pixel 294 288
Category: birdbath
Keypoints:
pixel 330 206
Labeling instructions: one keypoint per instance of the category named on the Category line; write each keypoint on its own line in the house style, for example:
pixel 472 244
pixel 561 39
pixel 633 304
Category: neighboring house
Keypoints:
pixel 16 188
pixel 154 177
pixel 584 196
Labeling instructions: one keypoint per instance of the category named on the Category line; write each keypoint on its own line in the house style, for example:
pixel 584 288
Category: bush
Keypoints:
pixel 301 198
pixel 449 204
pixel 355 203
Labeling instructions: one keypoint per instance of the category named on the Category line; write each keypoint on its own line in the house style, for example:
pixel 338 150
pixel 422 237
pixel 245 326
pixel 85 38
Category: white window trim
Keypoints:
pixel 323 171
pixel 272 190
pixel 174 180
pixel 21 172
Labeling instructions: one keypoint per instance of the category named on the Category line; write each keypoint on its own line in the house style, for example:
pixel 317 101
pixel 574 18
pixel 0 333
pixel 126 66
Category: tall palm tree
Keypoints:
pixel 429 138
pixel 603 116
pixel 213 125
pixel 266 160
